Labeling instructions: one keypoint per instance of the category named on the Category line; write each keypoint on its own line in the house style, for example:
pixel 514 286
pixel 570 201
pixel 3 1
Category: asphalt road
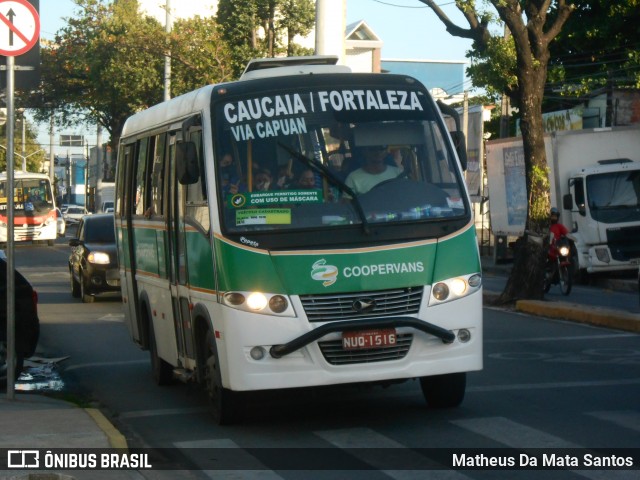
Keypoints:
pixel 546 384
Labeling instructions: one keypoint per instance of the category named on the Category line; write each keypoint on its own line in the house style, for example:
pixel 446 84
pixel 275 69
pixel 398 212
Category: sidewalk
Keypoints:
pixel 32 421
pixel 604 317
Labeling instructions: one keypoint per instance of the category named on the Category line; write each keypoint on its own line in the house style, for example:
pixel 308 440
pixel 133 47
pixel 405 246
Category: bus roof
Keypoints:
pixel 20 174
pixel 183 106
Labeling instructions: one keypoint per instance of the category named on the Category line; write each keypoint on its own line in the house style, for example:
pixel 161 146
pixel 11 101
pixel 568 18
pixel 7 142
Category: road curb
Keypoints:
pixel 116 439
pixel 579 313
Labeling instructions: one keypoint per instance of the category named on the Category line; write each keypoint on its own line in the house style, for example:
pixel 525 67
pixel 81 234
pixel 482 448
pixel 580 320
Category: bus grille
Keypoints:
pixel 331 307
pixel 334 354
pixel 21 232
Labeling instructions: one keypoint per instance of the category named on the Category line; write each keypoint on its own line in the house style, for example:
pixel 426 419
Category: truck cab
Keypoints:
pixel 602 208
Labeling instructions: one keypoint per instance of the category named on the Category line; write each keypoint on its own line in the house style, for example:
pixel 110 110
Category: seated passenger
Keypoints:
pixel 262 180
pixel 231 182
pixel 306 180
pixel 374 170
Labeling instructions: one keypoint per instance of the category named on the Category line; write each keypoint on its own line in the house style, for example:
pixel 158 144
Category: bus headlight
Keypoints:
pixel 454 288
pixel 99 258
pixel 278 304
pixel 258 302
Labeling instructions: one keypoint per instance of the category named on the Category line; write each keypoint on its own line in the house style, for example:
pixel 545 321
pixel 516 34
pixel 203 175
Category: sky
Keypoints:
pixel 408 29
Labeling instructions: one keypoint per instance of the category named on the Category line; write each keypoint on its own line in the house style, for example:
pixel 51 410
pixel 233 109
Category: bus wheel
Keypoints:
pixel 224 404
pixel 161 370
pixel 75 286
pixel 444 391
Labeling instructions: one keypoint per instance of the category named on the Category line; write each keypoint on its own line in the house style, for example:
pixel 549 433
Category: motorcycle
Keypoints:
pixel 558 269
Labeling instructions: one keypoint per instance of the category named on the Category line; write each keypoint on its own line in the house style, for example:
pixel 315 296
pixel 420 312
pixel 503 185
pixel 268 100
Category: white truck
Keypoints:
pixel 105 194
pixel 594 178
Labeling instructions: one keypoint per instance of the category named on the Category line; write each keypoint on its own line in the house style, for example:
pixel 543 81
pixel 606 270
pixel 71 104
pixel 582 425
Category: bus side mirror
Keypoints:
pixel 461 147
pixel 567 201
pixel 187 169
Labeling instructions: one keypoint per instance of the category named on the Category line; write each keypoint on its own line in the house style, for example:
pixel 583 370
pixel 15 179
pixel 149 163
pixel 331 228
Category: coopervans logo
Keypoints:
pixel 328 274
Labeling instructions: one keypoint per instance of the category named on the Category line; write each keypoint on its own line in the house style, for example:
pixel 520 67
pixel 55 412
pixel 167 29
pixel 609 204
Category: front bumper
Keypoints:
pixel 99 279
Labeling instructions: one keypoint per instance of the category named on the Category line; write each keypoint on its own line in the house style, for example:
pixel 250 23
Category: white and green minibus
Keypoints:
pixel 239 275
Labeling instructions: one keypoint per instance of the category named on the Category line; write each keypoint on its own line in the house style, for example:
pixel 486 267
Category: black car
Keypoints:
pixel 27 323
pixel 93 261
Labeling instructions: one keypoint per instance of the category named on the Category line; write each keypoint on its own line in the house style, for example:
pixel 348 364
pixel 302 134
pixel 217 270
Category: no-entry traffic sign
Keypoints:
pixel 19 27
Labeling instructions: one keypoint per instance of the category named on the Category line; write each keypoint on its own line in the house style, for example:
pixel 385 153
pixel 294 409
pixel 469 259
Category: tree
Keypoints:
pixel 108 63
pixel 298 17
pixel 202 60
pixel 103 66
pixel 32 151
pixel 533 28
pixel 239 22
pixel 591 53
pixel 264 28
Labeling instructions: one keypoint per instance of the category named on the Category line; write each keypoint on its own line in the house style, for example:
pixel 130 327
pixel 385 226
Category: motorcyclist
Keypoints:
pixel 557 229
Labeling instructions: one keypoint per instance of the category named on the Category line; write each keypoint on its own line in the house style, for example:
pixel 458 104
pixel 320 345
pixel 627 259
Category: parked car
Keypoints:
pixel 93 261
pixel 74 214
pixel 62 226
pixel 27 323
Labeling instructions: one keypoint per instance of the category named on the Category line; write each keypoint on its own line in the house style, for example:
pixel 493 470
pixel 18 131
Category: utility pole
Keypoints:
pixel 24 151
pixel 331 21
pixel 167 57
pixel 505 103
pixel 52 175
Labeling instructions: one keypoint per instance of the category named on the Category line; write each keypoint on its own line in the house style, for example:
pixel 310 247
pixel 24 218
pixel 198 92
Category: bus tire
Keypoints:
pixel 161 371
pixel 223 403
pixel 444 391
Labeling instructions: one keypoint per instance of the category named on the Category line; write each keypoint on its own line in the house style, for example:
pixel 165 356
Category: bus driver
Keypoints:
pixel 374 170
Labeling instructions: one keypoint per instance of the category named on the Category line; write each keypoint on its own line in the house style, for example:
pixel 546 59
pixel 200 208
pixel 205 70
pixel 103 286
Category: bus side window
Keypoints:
pixel 197 208
pixel 140 180
pixel 122 166
pixel 157 177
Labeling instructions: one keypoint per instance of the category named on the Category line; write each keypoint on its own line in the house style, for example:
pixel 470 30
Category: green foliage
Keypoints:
pixel 264 28
pixel 598 46
pixel 107 63
pixel 32 151
pixel 494 67
pixel 104 65
pixel 239 22
pixel 297 18
pixel 200 61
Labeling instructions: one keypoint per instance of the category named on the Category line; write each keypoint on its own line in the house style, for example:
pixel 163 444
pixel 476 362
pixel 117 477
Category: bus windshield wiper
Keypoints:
pixel 322 169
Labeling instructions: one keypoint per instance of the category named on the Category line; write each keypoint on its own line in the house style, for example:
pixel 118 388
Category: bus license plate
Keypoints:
pixel 368 339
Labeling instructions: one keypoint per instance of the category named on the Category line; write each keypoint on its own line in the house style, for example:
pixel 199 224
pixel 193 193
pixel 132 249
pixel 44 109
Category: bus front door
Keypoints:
pixel 178 265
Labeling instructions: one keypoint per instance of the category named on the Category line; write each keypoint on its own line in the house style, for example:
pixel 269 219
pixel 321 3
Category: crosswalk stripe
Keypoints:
pixel 257 470
pixel 626 418
pixel 363 443
pixel 523 437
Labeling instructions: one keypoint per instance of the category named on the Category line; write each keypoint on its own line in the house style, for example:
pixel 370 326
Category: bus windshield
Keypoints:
pixel 31 196
pixel 312 158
